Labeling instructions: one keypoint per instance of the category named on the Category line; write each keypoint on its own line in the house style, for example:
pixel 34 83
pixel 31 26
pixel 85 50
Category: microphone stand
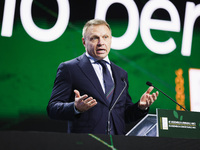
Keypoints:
pixel 150 84
pixel 109 127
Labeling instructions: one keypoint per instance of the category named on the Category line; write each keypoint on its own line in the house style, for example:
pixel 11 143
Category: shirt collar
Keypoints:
pixel 94 60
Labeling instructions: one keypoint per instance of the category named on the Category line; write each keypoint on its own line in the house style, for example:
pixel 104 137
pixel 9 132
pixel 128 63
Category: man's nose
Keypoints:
pixel 100 41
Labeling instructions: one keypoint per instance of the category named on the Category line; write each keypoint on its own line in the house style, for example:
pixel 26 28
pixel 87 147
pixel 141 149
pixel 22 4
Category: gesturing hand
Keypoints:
pixel 147 99
pixel 83 103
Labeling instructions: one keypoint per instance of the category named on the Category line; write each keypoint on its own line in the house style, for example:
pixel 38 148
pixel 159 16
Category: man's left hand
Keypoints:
pixel 147 99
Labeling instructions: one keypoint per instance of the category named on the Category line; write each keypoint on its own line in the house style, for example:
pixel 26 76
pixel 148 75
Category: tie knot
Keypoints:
pixel 103 63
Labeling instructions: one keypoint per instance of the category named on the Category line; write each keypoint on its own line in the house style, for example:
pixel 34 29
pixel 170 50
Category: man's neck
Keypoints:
pixel 94 59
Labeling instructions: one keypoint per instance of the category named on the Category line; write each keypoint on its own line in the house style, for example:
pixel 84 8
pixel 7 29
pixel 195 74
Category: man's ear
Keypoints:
pixel 83 41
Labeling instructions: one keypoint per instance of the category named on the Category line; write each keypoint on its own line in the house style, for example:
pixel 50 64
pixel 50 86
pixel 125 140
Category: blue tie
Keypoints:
pixel 108 82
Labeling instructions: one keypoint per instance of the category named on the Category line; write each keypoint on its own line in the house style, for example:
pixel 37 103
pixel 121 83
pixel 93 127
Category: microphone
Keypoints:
pixel 150 84
pixel 109 113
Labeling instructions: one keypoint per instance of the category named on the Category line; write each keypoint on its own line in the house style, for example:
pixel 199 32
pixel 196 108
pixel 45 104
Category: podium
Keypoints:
pixel 146 127
pixel 168 123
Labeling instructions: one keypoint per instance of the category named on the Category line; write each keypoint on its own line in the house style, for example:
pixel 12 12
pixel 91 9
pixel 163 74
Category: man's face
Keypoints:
pixel 97 41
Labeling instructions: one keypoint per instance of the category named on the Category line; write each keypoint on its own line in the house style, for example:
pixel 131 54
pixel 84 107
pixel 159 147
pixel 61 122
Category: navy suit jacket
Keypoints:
pixel 79 74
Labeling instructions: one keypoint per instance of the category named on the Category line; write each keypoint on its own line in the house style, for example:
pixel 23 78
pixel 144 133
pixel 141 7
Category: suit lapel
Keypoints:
pixel 88 71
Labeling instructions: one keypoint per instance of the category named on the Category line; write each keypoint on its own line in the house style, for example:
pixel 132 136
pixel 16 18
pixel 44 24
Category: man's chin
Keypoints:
pixel 101 56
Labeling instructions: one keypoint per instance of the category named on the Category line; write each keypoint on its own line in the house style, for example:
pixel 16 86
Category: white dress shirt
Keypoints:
pixel 99 70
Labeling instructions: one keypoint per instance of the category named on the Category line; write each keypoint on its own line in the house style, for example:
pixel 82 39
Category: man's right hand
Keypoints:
pixel 83 103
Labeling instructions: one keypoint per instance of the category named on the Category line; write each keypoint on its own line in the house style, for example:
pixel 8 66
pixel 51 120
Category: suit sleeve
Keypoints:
pixel 61 104
pixel 132 111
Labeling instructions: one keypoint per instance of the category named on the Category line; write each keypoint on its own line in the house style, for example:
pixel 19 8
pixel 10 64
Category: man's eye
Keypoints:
pixel 105 37
pixel 94 38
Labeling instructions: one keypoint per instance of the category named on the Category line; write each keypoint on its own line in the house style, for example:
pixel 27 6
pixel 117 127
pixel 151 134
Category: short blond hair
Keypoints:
pixel 94 22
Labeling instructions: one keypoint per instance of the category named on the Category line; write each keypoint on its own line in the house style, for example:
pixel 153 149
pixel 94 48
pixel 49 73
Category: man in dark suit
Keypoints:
pixel 91 94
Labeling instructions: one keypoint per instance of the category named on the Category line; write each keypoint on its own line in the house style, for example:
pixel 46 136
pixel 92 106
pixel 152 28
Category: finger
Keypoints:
pixel 88 99
pixel 92 102
pixel 149 90
pixel 77 93
pixel 157 93
pixel 78 97
pixel 154 96
pixel 81 98
pixel 152 100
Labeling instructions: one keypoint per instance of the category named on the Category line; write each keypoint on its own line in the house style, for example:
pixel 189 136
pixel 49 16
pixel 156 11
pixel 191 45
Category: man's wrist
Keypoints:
pixel 76 110
pixel 142 108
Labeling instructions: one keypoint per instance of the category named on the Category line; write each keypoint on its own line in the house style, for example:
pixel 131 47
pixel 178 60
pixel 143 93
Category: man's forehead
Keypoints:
pixel 98 29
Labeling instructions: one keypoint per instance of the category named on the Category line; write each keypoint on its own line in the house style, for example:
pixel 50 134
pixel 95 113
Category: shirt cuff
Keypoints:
pixel 76 111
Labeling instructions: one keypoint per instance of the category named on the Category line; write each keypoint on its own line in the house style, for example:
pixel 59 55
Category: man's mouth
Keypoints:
pixel 101 49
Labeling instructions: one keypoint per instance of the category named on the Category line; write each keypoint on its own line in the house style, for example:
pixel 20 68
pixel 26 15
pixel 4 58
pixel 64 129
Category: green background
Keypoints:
pixel 28 67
